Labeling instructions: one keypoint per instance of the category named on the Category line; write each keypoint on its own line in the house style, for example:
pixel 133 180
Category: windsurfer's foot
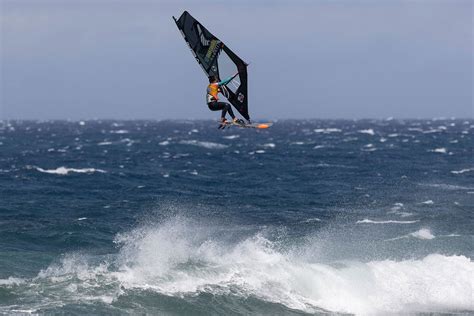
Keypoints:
pixel 238 121
pixel 223 123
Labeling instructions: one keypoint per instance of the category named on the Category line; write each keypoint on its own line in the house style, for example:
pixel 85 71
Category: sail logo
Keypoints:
pixel 212 51
pixel 204 40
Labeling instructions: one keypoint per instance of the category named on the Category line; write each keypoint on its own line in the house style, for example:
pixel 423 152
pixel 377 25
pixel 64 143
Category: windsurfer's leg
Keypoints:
pixel 226 108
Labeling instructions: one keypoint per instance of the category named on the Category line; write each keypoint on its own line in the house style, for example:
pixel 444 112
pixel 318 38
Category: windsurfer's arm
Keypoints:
pixel 226 81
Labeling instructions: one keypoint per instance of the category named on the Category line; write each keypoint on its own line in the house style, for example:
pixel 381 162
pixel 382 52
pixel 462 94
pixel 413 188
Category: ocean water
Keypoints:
pixel 367 217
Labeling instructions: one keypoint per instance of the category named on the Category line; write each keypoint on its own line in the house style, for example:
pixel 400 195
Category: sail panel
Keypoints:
pixel 216 59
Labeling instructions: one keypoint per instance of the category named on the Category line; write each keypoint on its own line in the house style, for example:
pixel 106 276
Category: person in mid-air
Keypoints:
pixel 212 99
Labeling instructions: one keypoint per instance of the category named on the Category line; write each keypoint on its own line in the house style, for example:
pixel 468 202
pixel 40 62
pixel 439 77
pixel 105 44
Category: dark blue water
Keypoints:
pixel 179 218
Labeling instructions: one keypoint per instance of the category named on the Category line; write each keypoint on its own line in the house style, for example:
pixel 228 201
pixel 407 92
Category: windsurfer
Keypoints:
pixel 212 98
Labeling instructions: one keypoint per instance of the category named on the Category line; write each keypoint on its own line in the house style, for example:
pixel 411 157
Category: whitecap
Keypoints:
pixel 368 131
pixel 423 233
pixel 311 220
pixel 462 171
pixel 439 150
pixel 269 145
pixel 428 202
pixel 446 186
pixel 104 143
pixel 451 235
pixel 404 214
pixel 369 221
pixel 327 130
pixel 207 145
pixel 231 136
pixel 120 131
pixel 65 171
pixel 12 281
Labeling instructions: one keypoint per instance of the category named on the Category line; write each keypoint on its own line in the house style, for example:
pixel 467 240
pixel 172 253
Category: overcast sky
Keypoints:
pixel 309 59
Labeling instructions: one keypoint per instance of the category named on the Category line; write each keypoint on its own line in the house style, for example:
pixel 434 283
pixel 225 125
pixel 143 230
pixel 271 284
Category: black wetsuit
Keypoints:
pixel 225 107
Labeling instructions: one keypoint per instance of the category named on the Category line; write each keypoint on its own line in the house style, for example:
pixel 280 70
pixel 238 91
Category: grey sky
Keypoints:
pixel 309 59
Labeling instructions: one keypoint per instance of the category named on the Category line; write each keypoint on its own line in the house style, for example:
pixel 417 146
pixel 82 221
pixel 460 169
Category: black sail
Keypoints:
pixel 216 59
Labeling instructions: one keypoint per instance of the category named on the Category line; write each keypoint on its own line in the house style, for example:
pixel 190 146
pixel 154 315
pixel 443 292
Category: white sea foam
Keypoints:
pixel 369 131
pixel 462 171
pixel 423 233
pixel 207 145
pixel 104 143
pixel 428 202
pixel 327 130
pixel 369 221
pixel 120 131
pixel 183 258
pixel 269 145
pixel 311 220
pixel 155 259
pixel 65 171
pixel 231 136
pixel 439 150
pixel 11 281
pixel 432 130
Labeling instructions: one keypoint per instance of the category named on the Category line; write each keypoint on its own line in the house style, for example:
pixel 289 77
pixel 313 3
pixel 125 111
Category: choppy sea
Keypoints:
pixel 365 217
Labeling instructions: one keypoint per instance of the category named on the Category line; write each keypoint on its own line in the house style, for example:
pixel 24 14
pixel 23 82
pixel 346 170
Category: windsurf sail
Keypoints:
pixel 216 59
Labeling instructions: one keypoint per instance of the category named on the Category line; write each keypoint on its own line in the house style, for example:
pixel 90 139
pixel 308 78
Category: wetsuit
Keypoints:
pixel 212 98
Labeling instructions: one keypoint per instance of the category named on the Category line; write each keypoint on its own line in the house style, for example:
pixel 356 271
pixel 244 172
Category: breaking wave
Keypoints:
pixel 180 258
